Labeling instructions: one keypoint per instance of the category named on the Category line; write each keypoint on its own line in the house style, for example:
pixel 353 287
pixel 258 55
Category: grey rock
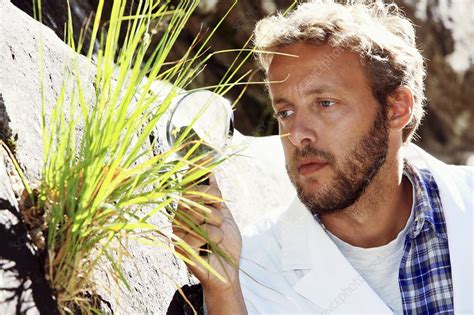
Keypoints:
pixel 20 81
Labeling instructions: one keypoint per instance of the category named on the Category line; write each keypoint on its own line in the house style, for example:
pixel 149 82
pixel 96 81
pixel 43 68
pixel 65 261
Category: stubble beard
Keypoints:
pixel 351 177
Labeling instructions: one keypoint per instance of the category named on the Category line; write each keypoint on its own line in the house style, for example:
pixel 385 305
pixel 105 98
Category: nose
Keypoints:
pixel 302 131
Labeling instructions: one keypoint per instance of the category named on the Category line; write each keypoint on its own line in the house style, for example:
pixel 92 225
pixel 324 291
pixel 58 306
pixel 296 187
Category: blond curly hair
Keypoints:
pixel 378 32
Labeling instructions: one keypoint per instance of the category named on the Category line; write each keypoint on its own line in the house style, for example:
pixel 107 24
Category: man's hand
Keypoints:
pixel 224 233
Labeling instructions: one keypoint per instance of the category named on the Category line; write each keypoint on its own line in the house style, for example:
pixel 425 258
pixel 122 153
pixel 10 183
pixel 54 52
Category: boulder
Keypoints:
pixel 23 69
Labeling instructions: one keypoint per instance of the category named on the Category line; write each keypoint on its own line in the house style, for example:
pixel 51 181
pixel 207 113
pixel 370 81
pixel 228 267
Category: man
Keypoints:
pixel 379 226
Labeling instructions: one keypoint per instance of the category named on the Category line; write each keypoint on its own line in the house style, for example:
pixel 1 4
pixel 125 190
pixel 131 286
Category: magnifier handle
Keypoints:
pixel 204 248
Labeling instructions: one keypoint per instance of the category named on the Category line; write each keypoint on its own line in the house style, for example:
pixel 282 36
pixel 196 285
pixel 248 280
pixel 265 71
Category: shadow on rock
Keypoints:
pixel 23 286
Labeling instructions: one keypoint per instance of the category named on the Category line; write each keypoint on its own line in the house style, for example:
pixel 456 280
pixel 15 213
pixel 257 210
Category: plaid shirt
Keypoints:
pixel 425 270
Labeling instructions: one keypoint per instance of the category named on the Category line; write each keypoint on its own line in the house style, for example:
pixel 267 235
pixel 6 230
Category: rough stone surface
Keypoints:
pixel 20 81
pixel 444 34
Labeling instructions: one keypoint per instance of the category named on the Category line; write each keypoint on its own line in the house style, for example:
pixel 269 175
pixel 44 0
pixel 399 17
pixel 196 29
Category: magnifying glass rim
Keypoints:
pixel 187 94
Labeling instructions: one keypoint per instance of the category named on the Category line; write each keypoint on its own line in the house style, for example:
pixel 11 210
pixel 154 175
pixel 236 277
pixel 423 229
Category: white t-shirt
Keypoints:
pixel 379 266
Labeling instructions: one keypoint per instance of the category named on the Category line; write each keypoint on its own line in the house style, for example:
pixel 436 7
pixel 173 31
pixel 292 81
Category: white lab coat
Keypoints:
pixel 290 265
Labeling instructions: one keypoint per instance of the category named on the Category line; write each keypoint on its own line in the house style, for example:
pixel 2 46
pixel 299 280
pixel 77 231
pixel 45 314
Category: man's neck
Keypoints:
pixel 379 214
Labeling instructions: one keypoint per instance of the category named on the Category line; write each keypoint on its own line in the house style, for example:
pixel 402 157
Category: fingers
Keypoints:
pixel 190 213
pixel 200 204
pixel 189 223
pixel 205 194
pixel 213 181
pixel 207 234
pixel 194 225
pixel 199 217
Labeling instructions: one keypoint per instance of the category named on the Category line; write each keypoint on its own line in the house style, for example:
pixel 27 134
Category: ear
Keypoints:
pixel 400 108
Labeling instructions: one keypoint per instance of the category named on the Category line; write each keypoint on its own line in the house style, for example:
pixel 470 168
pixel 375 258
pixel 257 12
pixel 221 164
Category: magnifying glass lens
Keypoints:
pixel 202 116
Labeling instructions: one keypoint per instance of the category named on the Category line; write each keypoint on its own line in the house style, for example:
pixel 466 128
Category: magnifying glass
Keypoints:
pixel 206 117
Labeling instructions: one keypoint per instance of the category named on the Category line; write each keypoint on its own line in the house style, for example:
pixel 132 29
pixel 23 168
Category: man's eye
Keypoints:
pixel 327 103
pixel 282 115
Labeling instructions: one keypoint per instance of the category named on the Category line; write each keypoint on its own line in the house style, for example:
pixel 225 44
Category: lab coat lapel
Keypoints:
pixel 330 282
pixel 459 222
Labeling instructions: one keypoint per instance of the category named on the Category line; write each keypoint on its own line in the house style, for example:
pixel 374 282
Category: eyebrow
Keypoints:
pixel 319 90
pixel 313 91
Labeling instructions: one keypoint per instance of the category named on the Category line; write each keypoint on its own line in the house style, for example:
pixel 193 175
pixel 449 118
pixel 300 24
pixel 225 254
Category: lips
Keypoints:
pixel 309 167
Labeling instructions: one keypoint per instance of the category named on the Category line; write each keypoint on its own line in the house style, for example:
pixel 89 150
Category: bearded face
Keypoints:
pixel 352 173
pixel 334 132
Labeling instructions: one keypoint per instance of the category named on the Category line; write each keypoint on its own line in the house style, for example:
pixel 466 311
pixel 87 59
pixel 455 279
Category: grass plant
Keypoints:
pixel 103 187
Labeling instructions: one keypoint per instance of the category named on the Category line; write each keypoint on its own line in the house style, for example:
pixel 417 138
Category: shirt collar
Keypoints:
pixel 427 203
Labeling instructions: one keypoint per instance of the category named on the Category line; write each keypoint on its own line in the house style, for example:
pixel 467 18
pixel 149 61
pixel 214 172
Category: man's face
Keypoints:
pixel 334 132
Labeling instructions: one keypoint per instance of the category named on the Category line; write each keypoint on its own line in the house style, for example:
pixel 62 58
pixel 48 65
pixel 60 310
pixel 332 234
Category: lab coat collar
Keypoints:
pixel 305 246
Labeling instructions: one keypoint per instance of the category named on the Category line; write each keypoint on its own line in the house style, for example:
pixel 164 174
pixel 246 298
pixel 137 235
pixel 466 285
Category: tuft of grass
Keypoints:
pixel 104 187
